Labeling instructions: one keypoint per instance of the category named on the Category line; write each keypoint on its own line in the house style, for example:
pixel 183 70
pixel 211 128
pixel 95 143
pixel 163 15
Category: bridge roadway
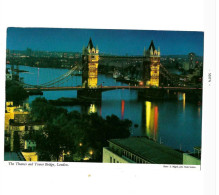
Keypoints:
pixel 107 88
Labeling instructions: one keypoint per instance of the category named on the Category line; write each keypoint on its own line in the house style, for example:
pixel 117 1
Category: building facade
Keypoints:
pixel 18 131
pixel 19 114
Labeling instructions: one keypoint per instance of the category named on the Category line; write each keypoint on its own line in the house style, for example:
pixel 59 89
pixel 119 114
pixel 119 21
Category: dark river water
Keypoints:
pixel 173 123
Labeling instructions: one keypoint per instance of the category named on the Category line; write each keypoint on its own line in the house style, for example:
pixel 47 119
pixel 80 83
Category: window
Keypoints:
pixel 114 160
pixel 110 159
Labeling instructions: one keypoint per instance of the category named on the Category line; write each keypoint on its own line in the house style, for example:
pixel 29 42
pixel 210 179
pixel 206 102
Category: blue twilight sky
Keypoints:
pixel 117 42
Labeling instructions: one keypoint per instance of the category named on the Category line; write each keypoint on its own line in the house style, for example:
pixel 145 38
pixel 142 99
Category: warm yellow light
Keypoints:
pixel 154 80
pixel 148 116
pixel 184 101
pixel 199 110
pixel 92 109
pixel 141 83
pixel 91 152
pixel 80 144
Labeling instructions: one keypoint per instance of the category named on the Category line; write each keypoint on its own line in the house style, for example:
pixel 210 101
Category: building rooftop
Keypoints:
pixel 30 123
pixel 90 44
pixel 149 150
pixel 197 148
pixel 13 156
pixel 152 46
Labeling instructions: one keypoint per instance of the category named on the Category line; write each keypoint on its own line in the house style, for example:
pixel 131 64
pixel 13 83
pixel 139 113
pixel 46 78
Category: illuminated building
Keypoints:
pixel 9 114
pixel 17 132
pixel 140 150
pixel 30 156
pixel 90 59
pixel 151 66
pixel 18 113
pixel 29 145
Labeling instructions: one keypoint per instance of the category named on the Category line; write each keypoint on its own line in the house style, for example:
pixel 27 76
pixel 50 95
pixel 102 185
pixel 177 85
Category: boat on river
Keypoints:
pixel 116 74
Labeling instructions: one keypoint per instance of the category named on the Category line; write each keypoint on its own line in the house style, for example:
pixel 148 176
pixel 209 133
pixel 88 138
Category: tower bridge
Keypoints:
pixel 153 73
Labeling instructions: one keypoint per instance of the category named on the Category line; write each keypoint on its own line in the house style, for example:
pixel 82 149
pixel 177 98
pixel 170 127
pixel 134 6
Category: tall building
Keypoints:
pixel 28 52
pixel 90 59
pixel 151 66
pixel 192 59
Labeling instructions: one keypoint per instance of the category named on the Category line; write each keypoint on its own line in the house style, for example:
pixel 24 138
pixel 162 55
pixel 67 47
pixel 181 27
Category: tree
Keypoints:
pixel 75 134
pixel 43 111
pixel 15 92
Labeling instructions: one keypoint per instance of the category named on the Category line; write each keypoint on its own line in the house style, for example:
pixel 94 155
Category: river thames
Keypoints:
pixel 175 123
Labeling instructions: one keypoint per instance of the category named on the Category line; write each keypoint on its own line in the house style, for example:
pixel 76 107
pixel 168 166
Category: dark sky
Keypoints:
pixel 118 42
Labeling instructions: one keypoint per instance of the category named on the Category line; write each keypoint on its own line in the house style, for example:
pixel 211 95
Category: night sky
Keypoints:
pixel 116 42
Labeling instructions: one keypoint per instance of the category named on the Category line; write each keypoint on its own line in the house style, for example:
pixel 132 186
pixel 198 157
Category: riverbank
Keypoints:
pixel 63 101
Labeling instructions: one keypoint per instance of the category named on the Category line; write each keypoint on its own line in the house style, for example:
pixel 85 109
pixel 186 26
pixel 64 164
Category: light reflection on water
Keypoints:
pixel 174 123
pixel 151 120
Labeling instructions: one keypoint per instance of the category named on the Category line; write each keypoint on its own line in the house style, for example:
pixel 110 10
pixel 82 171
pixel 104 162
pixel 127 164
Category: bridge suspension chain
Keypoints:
pixel 55 81
pixel 60 77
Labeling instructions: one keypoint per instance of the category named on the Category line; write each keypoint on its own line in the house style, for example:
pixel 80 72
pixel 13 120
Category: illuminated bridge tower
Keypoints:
pixel 90 58
pixel 151 66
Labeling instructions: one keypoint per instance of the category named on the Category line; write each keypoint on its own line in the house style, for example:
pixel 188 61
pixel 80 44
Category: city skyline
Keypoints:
pixel 115 42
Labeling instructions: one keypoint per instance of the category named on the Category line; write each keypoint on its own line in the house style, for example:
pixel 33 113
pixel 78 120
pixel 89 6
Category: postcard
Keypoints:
pixel 112 96
pixel 108 97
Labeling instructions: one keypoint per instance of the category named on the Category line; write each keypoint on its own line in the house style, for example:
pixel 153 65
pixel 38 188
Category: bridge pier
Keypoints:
pixel 194 96
pixel 156 94
pixel 152 93
pixel 89 94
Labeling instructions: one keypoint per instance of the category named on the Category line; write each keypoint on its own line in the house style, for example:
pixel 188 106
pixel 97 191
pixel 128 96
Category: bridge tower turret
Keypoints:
pixel 151 66
pixel 90 59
